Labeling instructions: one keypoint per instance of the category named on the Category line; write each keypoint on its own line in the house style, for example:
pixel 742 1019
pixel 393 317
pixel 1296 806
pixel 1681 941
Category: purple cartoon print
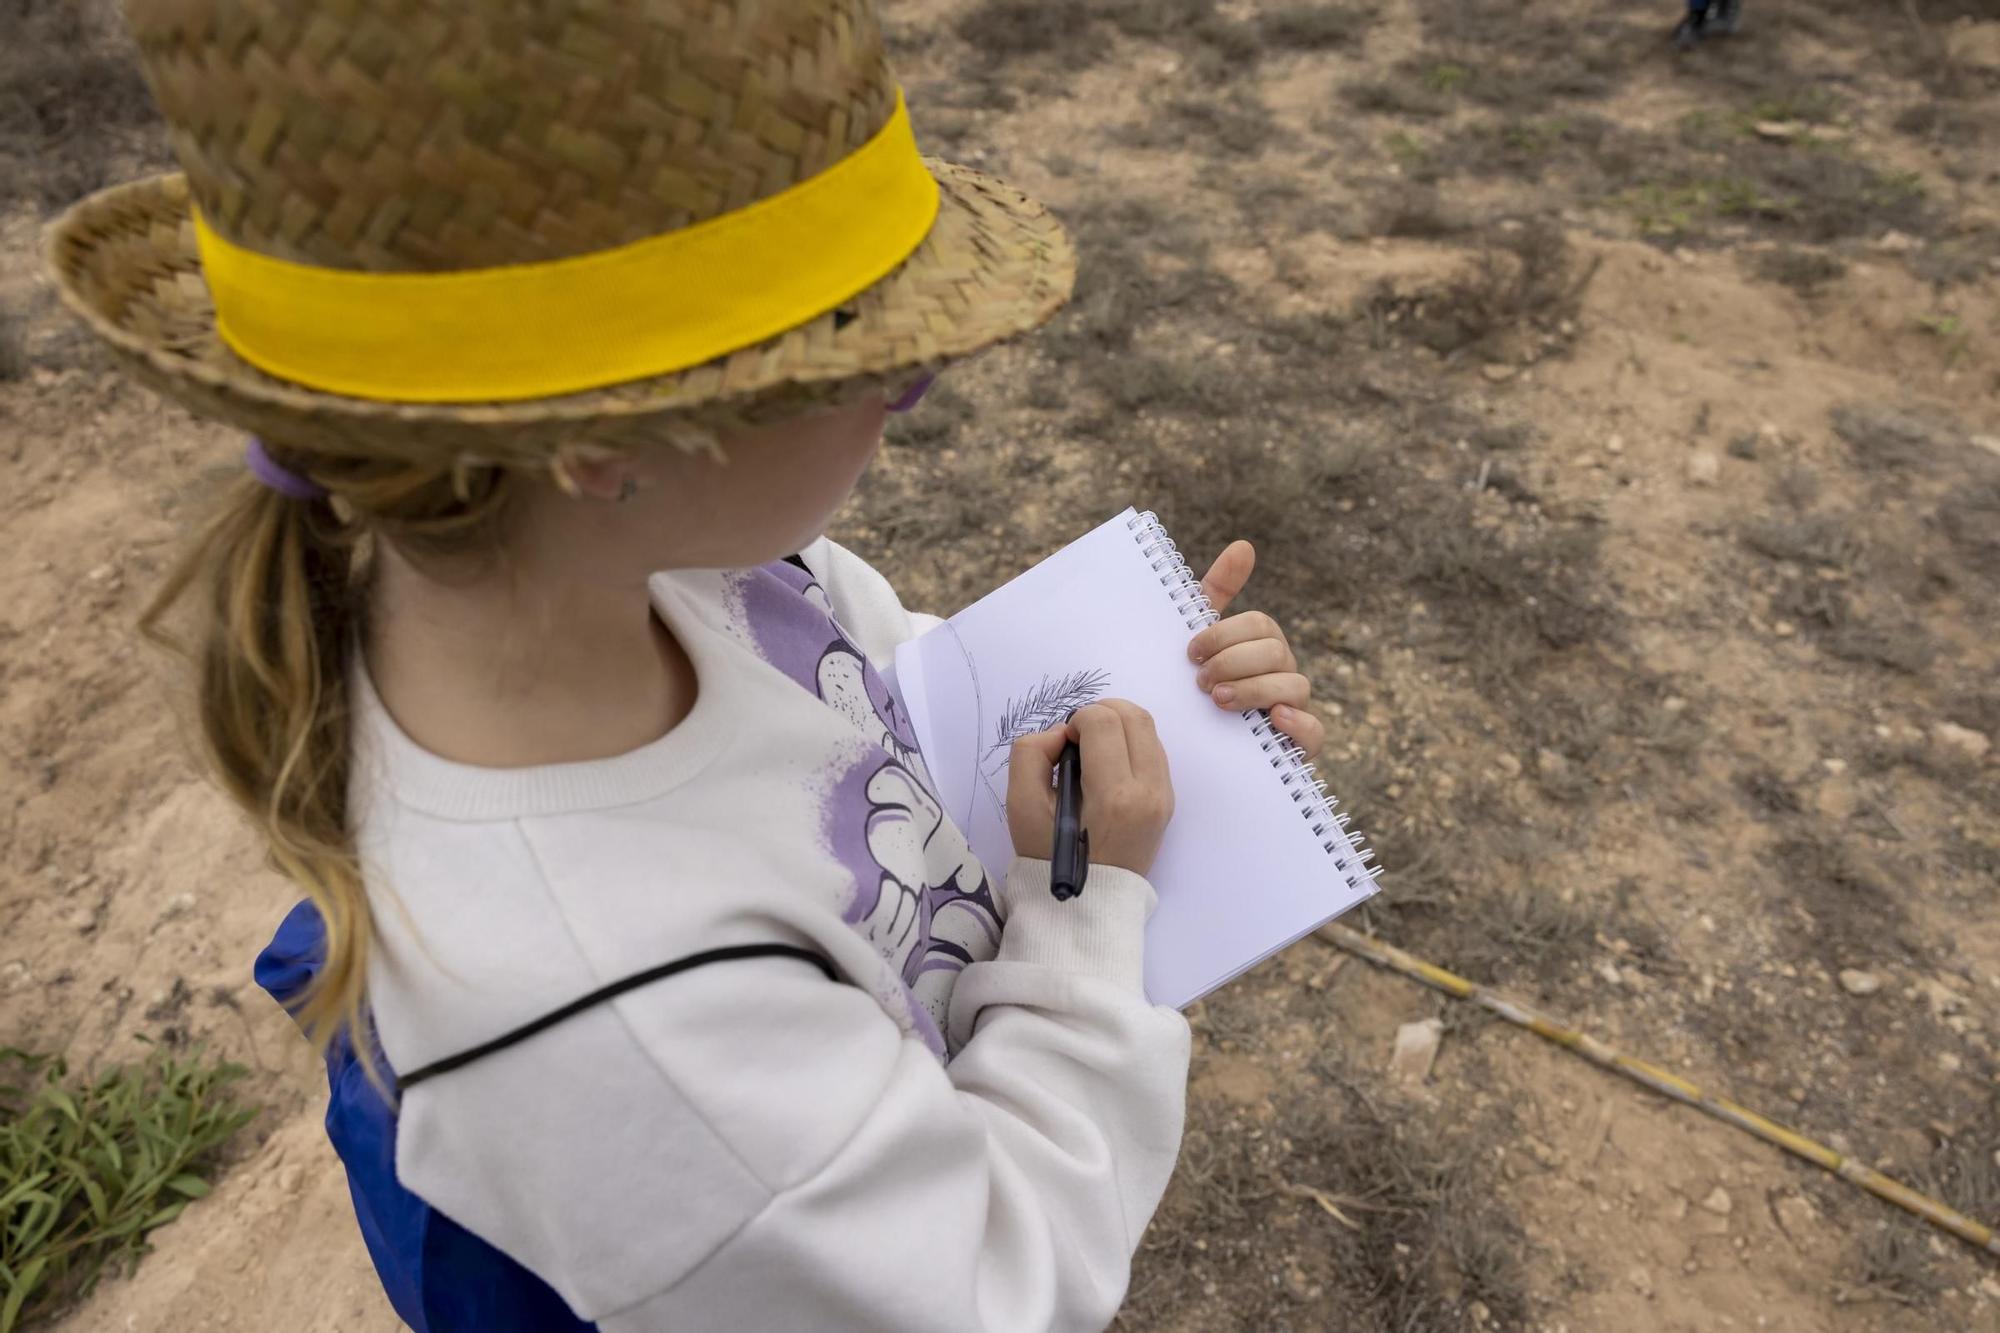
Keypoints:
pixel 920 896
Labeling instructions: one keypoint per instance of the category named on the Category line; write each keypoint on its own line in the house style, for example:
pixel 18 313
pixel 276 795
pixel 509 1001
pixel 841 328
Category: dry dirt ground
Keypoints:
pixel 1621 433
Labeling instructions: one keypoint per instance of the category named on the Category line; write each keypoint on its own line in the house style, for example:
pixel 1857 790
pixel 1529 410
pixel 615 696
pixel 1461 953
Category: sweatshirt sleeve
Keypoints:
pixel 801 1163
pixel 863 602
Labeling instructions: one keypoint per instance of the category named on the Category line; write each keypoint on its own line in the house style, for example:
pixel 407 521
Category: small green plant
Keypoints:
pixel 1534 138
pixel 1446 78
pixel 1813 105
pixel 88 1169
pixel 1674 211
pixel 1408 150
pixel 1663 210
pixel 1951 333
pixel 1887 189
pixel 1739 196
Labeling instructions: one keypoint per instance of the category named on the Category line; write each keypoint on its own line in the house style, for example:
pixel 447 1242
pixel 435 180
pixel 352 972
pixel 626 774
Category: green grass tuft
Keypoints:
pixel 88 1169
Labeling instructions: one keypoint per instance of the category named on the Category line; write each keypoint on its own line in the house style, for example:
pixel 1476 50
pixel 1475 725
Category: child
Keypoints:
pixel 562 329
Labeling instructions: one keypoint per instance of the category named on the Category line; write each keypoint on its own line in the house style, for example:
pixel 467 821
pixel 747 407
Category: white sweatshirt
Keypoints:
pixel 970 1136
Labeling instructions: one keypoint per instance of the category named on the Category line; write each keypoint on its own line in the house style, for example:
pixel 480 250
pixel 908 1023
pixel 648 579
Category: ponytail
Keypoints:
pixel 279 585
pixel 274 579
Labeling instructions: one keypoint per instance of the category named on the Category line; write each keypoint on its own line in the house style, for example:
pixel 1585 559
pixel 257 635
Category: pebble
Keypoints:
pixel 1895 243
pixel 84 920
pixel 1834 766
pixel 1856 982
pixel 1608 970
pixel 1783 131
pixel 1704 467
pixel 1642 1282
pixel 1416 1050
pixel 1496 373
pixel 1615 445
pixel 290 1178
pixel 1970 743
pixel 1509 764
pixel 1796 1213
pixel 1718 1202
pixel 1550 764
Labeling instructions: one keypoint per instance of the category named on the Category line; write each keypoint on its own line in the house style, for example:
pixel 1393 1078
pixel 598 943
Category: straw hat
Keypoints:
pixel 448 229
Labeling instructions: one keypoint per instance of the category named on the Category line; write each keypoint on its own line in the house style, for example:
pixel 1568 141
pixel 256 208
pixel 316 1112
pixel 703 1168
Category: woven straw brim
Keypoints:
pixel 995 264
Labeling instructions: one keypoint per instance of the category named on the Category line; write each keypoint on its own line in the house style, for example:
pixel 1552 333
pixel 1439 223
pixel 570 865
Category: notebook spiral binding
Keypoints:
pixel 1294 770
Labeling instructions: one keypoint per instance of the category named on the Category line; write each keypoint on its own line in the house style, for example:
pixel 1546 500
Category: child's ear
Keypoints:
pixel 593 476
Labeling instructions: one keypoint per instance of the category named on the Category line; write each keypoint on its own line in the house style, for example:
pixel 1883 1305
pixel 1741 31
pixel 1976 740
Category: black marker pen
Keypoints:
pixel 1069 859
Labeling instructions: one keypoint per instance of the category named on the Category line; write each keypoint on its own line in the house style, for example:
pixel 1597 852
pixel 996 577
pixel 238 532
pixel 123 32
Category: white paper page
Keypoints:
pixel 1240 872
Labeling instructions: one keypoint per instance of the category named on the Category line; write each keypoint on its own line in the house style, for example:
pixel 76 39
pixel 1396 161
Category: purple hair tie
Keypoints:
pixel 282 480
pixel 913 395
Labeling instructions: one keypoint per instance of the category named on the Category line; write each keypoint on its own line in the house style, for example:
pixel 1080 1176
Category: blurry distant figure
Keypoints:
pixel 1706 18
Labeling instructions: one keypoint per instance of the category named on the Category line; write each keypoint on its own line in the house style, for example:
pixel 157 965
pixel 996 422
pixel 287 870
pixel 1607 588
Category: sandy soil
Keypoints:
pixel 1682 724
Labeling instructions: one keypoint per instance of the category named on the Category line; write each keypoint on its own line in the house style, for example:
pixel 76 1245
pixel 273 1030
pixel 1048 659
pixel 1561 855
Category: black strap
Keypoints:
pixel 611 992
pixel 800 561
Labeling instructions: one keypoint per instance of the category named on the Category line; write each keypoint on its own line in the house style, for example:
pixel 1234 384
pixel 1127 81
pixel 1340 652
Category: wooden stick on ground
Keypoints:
pixel 1670 1085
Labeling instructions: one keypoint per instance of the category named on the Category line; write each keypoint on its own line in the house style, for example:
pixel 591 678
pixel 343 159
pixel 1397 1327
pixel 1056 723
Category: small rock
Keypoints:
pixel 1963 740
pixel 177 906
pixel 1835 767
pixel 1608 970
pixel 84 920
pixel 1784 629
pixel 290 1178
pixel 1782 131
pixel 1990 443
pixel 1856 982
pixel 1509 764
pixel 1704 468
pixel 1615 445
pixel 16 976
pixel 1718 1202
pixel 1497 373
pixel 1941 998
pixel 1949 1063
pixel 1416 1050
pixel 1550 764
pixel 1895 243
pixel 1796 1214
pixel 1642 1282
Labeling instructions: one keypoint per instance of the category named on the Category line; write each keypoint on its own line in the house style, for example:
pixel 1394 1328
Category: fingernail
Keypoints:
pixel 1201 679
pixel 1224 694
pixel 1281 714
pixel 1197 654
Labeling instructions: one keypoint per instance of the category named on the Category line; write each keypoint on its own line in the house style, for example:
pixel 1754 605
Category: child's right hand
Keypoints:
pixel 1128 796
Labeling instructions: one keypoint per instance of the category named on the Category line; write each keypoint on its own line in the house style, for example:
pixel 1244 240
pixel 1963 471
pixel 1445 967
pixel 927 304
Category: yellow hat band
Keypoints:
pixel 539 330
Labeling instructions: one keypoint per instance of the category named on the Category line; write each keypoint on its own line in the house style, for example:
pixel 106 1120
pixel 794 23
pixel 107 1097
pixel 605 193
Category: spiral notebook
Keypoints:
pixel 1256 855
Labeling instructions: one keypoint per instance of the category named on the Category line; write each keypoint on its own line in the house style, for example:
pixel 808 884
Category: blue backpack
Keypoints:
pixel 440 1277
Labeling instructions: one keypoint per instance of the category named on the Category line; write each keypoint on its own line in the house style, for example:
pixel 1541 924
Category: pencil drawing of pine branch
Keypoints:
pixel 1046 705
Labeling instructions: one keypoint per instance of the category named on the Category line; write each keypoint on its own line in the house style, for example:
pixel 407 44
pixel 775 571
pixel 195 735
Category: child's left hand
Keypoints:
pixel 1245 661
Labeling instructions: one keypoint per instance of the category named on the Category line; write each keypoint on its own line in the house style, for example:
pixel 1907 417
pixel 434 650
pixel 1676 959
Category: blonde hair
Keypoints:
pixel 279 589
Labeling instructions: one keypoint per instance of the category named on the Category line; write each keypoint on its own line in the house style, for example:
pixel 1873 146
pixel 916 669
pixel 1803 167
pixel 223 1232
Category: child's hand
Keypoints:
pixel 1245 661
pixel 1127 795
